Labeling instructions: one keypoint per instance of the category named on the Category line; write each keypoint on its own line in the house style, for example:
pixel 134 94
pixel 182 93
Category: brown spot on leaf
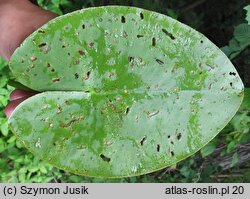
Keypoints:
pixel 56 79
pixel 33 58
pixel 81 52
pixel 90 45
pixel 73 121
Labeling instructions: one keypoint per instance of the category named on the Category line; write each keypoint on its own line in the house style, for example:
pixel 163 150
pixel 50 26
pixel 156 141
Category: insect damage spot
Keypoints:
pixel 143 140
pixel 159 61
pixel 81 52
pixel 127 110
pixel 153 41
pixel 73 121
pixel 139 36
pixel 168 34
pixel 41 31
pixel 57 79
pixel 232 73
pixel 123 19
pixel 158 148
pixel 105 158
pixel 42 45
pixel 76 75
pixel 172 153
pixel 90 44
pixel 76 62
pixel 125 34
pixel 83 26
pixel 53 70
pixel 131 60
pixel 87 75
pixel 48 65
pixel 141 16
pixel 33 58
pixel 179 136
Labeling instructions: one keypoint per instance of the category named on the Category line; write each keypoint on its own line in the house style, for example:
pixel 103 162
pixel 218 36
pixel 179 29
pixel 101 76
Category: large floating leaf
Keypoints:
pixel 126 91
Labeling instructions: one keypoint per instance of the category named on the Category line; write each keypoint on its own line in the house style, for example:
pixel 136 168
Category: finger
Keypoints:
pixel 12 105
pixel 17 94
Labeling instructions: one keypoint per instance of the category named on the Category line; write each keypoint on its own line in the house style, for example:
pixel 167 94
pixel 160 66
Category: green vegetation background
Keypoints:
pixel 224 159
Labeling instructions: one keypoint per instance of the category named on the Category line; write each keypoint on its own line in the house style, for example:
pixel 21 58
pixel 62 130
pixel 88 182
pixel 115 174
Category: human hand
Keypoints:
pixel 18 19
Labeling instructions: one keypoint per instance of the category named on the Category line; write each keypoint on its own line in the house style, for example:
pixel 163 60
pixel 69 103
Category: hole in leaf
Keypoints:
pixel 53 70
pixel 153 41
pixel 76 76
pixel 127 110
pixel 63 46
pixel 42 45
pixel 131 60
pixel 87 75
pixel 169 136
pixel 41 31
pixel 172 153
pixel 231 84
pixel 83 26
pixel 105 158
pixel 143 140
pixel 141 15
pixel 172 142
pixel 139 36
pixel 159 61
pixel 179 136
pixel 168 34
pixel 158 148
pixel 123 19
pixel 232 73
pixel 201 41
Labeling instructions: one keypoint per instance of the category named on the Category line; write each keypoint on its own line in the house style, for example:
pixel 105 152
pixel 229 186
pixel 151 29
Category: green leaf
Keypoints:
pixel 3 63
pixel 208 149
pixel 4 128
pixel 231 146
pixel 234 159
pixel 172 13
pixel 242 33
pixel 246 101
pixel 125 91
pixel 2 145
pixel 247 8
